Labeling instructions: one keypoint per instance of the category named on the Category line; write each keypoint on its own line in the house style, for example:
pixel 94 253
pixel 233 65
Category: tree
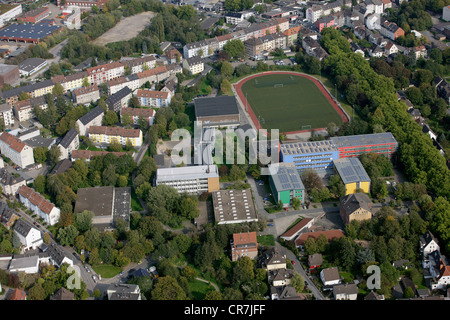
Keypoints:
pixel 226 69
pixel 297 282
pixel 234 49
pixel 126 119
pixel 58 90
pixel 167 288
pixel 53 155
pixel 296 203
pixel 109 175
pixel 39 184
pixel 110 118
pixel 40 154
pixel 83 220
pixel 225 86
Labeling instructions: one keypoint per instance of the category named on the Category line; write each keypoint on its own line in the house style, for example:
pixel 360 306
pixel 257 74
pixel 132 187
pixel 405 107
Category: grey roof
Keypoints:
pixel 308 147
pixel 31 63
pixel 427 238
pixel 62 166
pixel 39 141
pixel 122 204
pixel 194 60
pixel 7 179
pixel 286 178
pixel 27 88
pixel 216 106
pixel 315 259
pixel 354 201
pixel 119 95
pixel 4 68
pixel 347 288
pixel 364 139
pixel 351 170
pixel 28 31
pixel 331 274
pixel 68 138
pixel 56 253
pixel 23 227
pixel 91 115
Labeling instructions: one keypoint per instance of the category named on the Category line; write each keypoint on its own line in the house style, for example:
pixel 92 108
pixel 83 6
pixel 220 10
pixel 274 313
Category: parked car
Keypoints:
pixel 293 262
pixel 270 225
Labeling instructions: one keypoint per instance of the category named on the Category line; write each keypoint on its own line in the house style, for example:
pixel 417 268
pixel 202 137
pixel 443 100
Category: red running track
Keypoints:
pixel 238 88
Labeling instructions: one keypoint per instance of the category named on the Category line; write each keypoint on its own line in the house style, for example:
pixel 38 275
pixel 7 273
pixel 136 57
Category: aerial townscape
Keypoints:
pixel 317 163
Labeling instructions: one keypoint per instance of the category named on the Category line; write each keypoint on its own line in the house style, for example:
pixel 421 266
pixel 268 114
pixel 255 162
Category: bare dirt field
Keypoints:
pixel 126 29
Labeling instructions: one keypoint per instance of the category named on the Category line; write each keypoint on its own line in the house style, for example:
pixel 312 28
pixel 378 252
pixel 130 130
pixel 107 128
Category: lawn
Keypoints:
pixel 199 289
pixel 288 102
pixel 107 270
pixel 267 240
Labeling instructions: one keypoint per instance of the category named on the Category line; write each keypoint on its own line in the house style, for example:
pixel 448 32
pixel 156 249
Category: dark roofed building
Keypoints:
pixel 63 294
pixel 357 206
pixel 219 111
pixel 32 33
pixel 119 99
pixel 62 166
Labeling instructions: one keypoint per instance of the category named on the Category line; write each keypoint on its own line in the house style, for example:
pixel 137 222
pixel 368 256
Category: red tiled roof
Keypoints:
pixel 151 72
pixel 88 154
pixel 104 67
pixel 13 142
pixel 85 90
pixel 114 131
pixel 138 112
pixel 17 295
pixel 296 228
pixel 36 199
pixel 330 234
pixel 20 105
pixel 244 238
pixel 152 94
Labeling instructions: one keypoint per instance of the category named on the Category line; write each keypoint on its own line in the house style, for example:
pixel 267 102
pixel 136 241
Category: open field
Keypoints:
pixel 126 29
pixel 288 101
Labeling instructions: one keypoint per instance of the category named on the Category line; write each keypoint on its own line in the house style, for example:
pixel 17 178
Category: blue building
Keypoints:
pixel 316 155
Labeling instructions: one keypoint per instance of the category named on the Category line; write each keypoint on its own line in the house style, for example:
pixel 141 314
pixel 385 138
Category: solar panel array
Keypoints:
pixel 288 178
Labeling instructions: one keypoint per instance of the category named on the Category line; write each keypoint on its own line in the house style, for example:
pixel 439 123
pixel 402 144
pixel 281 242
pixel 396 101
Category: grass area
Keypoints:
pixel 267 240
pixel 135 204
pixel 346 276
pixel 199 289
pixel 107 270
pixel 288 102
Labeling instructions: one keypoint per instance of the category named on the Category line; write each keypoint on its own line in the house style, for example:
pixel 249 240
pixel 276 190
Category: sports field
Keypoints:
pixel 288 102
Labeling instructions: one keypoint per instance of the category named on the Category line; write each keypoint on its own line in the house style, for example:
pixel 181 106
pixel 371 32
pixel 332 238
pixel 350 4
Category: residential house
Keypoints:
pixel 8 215
pixel 315 261
pixel 92 118
pixel 39 205
pixel 416 52
pixel 24 110
pixel 17 294
pixel 14 149
pixel 9 183
pixel 137 65
pixel 284 293
pixel 24 264
pixel 309 45
pixel 428 244
pixel 273 259
pixel 194 65
pixel 390 48
pixel 30 237
pixel 442 88
pixel 347 291
pixel 154 75
pixel 62 294
pixel 121 291
pixel 391 30
pixel 374 296
pixel 330 277
pixel 174 56
pixel 292 36
pixel 280 277
pixel 325 22
pixel 70 142
pixel 131 81
pixel 244 244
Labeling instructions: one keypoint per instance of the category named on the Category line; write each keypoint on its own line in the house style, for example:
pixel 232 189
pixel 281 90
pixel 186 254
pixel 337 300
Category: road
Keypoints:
pixel 56 51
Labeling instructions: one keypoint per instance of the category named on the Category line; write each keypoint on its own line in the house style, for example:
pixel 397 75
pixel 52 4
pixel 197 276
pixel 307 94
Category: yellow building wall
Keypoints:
pixel 352 187
pixel 213 184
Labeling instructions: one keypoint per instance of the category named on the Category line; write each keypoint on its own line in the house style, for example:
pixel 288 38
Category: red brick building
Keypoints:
pixel 34 16
pixel 83 4
pixel 244 244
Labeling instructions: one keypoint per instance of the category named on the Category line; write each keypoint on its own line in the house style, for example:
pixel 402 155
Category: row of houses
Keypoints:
pixel 209 47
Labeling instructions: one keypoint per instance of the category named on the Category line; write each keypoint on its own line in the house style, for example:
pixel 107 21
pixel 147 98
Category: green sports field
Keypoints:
pixel 289 103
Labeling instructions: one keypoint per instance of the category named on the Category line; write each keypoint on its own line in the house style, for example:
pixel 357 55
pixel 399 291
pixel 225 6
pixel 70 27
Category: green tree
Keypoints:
pixel 83 220
pixel 167 288
pixel 297 282
pixel 110 118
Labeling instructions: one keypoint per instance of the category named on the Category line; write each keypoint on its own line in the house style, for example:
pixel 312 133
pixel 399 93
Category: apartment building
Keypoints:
pixel 244 244
pixel 92 118
pixel 108 135
pixel 105 72
pixel 72 81
pixel 153 99
pixel 70 142
pixel 137 113
pixel 23 110
pixel 130 81
pixel 86 95
pixel 39 205
pixel 6 114
pixel 139 64
pixel 154 75
pixel 119 99
pixel 14 149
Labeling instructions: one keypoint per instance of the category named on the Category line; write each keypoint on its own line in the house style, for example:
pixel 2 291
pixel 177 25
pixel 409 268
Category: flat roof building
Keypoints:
pixel 234 206
pixel 286 183
pixel 316 155
pixel 32 33
pixel 107 203
pixel 354 146
pixel 353 175
pixel 219 111
pixel 191 179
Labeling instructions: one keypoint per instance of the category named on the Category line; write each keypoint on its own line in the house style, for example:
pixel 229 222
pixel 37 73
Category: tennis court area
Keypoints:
pixel 289 102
